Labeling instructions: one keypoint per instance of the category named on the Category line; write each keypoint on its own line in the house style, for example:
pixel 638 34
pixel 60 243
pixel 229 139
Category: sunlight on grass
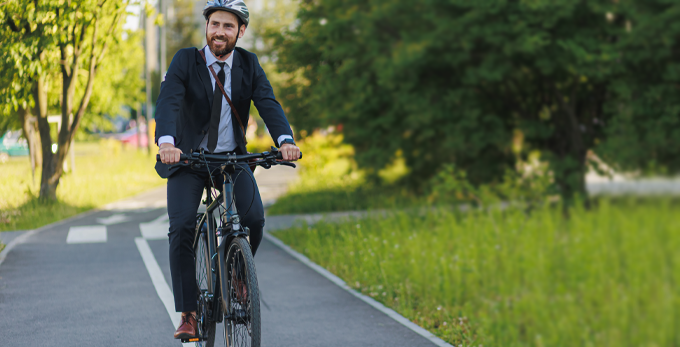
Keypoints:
pixel 606 277
pixel 330 181
pixel 105 172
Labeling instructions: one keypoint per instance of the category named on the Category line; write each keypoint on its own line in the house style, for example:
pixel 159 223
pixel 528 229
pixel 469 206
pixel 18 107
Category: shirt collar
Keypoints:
pixel 210 58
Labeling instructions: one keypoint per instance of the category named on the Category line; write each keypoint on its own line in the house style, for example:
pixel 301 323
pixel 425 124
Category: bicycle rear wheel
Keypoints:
pixel 242 319
pixel 204 281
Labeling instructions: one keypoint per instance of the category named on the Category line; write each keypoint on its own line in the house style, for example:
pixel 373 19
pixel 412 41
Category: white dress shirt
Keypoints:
pixel 225 137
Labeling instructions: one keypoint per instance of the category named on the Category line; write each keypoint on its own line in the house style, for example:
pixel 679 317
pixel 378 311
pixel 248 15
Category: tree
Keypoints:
pixel 17 63
pixel 183 28
pixel 69 37
pixel 459 81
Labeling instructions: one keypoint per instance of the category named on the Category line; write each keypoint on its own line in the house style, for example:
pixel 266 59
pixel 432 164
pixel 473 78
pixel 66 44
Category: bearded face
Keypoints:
pixel 221 45
pixel 222 33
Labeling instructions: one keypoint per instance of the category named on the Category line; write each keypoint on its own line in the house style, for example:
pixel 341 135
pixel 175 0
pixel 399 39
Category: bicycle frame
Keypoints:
pixel 221 226
pixel 219 237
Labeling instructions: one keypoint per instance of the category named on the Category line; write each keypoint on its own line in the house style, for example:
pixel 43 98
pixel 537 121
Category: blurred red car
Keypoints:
pixel 130 136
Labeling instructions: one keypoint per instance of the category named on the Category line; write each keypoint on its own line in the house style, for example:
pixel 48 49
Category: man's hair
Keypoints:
pixel 240 21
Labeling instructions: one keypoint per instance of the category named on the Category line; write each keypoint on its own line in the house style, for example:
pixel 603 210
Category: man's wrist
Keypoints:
pixel 287 141
pixel 166 139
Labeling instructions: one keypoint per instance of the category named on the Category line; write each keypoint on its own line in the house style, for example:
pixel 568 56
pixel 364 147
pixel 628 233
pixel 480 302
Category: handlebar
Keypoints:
pixel 267 158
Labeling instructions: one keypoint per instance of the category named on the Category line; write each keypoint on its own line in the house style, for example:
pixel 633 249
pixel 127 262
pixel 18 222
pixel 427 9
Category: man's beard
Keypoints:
pixel 228 47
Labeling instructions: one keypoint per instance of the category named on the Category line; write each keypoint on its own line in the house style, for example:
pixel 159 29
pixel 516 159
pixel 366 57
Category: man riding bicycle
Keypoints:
pixel 193 113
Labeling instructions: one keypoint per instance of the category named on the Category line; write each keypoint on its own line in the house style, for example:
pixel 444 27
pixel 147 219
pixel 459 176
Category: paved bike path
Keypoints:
pixel 54 293
pixel 91 294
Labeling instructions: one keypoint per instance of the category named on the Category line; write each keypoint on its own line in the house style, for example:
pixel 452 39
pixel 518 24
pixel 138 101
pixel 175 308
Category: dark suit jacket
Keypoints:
pixel 184 104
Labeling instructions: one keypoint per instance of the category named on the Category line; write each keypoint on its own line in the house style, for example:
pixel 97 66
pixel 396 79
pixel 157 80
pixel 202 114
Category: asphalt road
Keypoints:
pixel 101 279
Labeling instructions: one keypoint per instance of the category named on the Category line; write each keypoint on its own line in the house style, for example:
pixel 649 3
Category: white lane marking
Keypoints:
pixel 163 218
pixel 340 283
pixel 154 231
pixel 157 229
pixel 158 280
pixel 113 219
pixel 86 234
pixel 24 238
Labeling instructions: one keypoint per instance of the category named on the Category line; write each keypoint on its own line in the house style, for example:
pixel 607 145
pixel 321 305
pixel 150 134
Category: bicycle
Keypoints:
pixel 225 270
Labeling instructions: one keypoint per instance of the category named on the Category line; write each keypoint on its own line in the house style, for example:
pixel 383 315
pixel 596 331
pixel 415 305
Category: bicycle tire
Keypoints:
pixel 242 323
pixel 204 281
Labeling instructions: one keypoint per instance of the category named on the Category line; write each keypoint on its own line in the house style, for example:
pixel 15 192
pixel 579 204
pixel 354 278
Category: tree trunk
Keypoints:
pixel 570 171
pixel 51 172
pixel 569 153
pixel 29 127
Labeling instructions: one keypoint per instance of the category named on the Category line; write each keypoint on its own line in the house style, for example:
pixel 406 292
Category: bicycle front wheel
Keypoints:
pixel 242 317
pixel 204 281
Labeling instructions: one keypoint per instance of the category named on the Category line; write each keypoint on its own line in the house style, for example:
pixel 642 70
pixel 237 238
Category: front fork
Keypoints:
pixel 231 228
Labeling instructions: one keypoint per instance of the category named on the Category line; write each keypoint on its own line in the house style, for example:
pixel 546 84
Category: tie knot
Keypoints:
pixel 221 64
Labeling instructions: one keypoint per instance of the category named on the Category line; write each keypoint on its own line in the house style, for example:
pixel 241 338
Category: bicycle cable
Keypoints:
pixel 233 182
pixel 243 168
pixel 212 183
pixel 251 175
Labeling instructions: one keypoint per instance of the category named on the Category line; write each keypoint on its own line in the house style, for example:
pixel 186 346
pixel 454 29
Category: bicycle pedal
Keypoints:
pixel 195 339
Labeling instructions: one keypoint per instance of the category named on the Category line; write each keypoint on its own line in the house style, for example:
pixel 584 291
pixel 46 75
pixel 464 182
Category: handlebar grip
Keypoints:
pixel 182 157
pixel 279 156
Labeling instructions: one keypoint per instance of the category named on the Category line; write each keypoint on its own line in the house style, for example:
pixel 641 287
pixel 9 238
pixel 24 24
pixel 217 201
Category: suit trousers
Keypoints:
pixel 185 188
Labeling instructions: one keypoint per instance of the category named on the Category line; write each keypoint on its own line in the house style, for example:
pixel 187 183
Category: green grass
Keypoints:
pixel 105 172
pixel 606 277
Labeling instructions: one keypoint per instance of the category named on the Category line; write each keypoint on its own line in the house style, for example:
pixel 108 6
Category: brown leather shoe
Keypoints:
pixel 188 328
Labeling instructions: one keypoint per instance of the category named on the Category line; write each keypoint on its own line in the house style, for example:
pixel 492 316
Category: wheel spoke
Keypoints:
pixel 206 328
pixel 242 313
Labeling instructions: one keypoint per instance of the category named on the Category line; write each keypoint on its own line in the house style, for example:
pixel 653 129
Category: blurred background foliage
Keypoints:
pixel 119 83
pixel 422 109
pixel 484 84
pixel 483 90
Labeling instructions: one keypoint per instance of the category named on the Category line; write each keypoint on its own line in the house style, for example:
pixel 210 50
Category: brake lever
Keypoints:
pixel 263 163
pixel 286 164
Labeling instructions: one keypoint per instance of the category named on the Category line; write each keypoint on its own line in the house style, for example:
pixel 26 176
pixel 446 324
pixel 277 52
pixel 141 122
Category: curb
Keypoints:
pixel 340 283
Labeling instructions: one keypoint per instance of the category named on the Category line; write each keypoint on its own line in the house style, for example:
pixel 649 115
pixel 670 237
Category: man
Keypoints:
pixel 191 113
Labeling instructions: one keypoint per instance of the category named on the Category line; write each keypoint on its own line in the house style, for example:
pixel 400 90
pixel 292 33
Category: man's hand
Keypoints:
pixel 169 154
pixel 290 152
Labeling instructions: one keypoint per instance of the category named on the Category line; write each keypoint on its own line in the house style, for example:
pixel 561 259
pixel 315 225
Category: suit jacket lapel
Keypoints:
pixel 204 75
pixel 236 77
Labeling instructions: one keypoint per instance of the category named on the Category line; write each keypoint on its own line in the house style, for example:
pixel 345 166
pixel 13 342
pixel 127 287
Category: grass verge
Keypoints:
pixel 105 172
pixel 606 277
